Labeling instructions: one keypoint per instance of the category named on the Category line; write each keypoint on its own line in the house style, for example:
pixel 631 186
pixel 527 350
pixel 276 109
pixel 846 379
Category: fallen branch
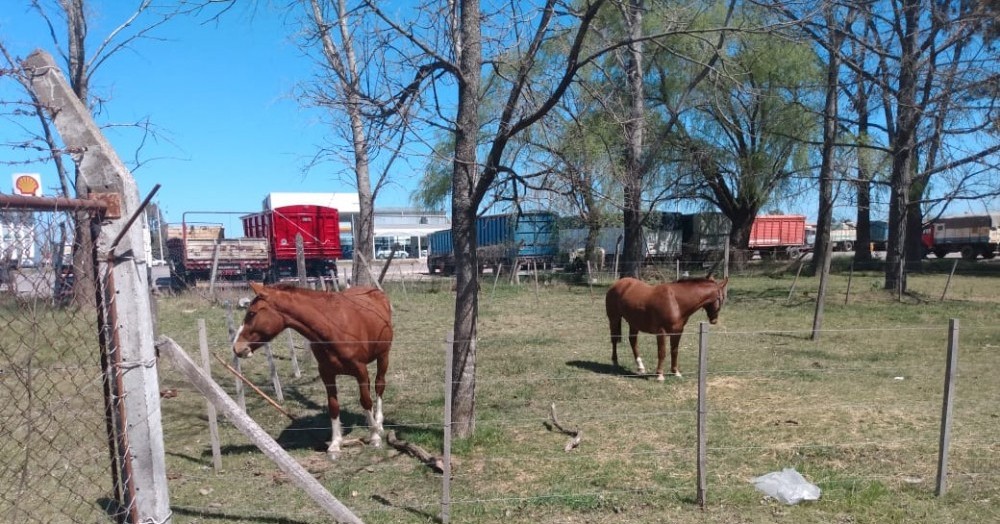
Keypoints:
pixel 429 460
pixel 253 387
pixel 576 434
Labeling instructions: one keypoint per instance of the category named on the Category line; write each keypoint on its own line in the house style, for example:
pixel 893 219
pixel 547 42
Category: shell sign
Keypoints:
pixel 28 184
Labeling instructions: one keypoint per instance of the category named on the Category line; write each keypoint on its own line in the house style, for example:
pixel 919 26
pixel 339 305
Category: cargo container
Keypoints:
pixel 970 235
pixel 193 249
pixel 502 239
pixel 777 232
pixel 319 227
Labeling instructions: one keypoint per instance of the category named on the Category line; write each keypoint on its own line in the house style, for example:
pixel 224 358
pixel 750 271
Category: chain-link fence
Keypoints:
pixel 54 429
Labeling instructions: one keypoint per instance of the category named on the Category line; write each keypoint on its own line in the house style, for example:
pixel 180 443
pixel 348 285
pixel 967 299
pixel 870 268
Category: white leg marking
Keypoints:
pixel 378 414
pixel 338 436
pixel 638 364
pixel 237 336
pixel 374 439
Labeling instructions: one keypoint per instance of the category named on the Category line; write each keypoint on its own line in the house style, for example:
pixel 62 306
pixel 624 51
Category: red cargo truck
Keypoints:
pixel 779 234
pixel 319 227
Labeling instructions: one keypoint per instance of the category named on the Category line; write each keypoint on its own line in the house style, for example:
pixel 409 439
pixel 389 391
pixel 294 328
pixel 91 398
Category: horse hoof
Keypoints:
pixel 659 378
pixel 333 455
pixel 375 441
pixel 677 374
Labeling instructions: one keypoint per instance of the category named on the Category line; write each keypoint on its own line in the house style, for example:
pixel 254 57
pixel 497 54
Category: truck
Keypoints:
pixel 508 239
pixel 319 227
pixel 970 235
pixel 778 234
pixel 193 248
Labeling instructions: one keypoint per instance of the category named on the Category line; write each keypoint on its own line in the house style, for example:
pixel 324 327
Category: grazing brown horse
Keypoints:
pixel 347 331
pixel 662 310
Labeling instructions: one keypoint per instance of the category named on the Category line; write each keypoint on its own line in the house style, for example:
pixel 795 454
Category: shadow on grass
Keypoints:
pixel 413 511
pixel 607 369
pixel 197 514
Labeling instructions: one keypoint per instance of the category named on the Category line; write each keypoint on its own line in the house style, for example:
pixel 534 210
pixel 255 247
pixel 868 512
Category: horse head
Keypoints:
pixel 715 303
pixel 261 323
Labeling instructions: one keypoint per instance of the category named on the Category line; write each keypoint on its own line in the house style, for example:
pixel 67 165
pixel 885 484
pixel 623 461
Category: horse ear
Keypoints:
pixel 258 289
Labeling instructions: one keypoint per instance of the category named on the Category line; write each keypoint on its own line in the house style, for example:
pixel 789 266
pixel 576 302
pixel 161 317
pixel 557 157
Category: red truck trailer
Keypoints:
pixel 319 227
pixel 779 234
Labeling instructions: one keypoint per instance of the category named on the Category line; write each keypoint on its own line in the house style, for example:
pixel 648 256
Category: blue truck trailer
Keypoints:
pixel 506 239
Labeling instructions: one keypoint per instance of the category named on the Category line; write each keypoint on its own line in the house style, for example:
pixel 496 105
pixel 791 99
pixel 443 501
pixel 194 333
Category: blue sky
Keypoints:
pixel 219 95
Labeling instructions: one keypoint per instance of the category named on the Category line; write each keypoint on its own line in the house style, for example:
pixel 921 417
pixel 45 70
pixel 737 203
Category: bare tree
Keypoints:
pixel 345 88
pixel 68 30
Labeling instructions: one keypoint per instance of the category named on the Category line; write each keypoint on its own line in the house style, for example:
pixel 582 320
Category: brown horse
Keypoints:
pixel 347 331
pixel 662 310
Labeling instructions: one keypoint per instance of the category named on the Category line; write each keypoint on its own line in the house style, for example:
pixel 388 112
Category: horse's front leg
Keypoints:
pixel 661 355
pixel 633 340
pixel 675 341
pixel 337 432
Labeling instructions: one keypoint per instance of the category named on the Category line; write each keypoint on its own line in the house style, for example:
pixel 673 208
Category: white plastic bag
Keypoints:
pixel 787 486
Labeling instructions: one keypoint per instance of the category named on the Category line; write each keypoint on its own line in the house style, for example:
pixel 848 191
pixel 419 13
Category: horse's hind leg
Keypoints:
pixel 364 385
pixel 615 323
pixel 382 365
pixel 633 340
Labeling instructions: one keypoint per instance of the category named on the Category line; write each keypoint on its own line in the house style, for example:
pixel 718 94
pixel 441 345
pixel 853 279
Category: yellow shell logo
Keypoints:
pixel 26 185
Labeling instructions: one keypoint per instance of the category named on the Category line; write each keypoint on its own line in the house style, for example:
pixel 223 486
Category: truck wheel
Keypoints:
pixel 968 253
pixel 940 253
pixel 987 254
pixel 848 246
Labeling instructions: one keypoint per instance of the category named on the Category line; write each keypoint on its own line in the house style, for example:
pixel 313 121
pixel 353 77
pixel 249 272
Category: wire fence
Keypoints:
pixel 54 434
pixel 858 411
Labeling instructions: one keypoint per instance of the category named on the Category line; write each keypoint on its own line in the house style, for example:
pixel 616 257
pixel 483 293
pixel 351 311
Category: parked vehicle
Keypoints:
pixel 778 234
pixel 194 248
pixel 506 239
pixel 970 235
pixel 319 228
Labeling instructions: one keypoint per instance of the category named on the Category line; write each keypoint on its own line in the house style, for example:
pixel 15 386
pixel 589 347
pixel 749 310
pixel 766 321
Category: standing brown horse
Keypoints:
pixel 662 310
pixel 347 331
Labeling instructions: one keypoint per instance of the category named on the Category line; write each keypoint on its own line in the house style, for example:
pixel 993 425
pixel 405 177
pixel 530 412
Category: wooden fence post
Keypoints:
pixel 300 261
pixel 795 280
pixel 296 372
pixel 821 296
pixel 213 423
pixel 449 348
pixel 273 370
pixel 702 411
pixel 951 369
pixel 947 283
pixel 240 393
pixel 850 278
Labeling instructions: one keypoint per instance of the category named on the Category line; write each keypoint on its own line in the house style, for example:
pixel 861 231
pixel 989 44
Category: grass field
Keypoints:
pixel 856 411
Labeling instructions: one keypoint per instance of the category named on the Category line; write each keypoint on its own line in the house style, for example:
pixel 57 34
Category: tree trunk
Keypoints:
pixel 903 147
pixel 821 249
pixel 635 129
pixel 463 227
